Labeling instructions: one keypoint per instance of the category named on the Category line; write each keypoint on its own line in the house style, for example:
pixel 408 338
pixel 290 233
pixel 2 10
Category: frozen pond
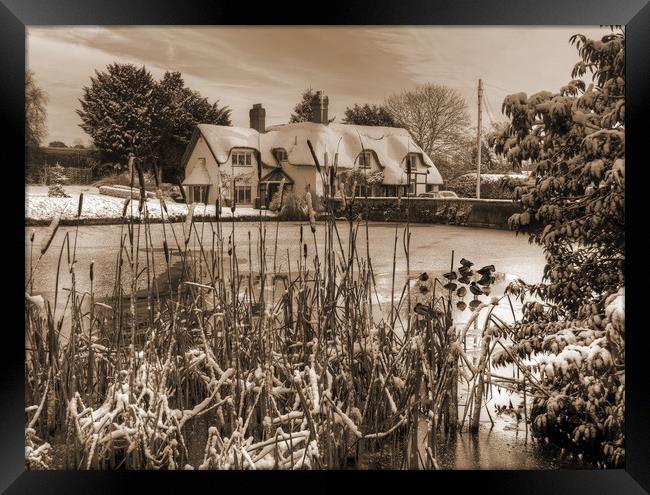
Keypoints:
pixel 430 250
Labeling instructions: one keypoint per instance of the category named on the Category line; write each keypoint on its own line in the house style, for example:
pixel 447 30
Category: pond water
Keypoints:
pixel 502 446
pixel 430 250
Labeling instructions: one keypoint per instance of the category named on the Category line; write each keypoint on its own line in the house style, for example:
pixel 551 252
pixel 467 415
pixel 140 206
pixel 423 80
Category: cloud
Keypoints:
pixel 240 66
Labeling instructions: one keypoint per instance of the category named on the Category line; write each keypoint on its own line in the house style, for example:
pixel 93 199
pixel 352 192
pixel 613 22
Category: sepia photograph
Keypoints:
pixel 324 247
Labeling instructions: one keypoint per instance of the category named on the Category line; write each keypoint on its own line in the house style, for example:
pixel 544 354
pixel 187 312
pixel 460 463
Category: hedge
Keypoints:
pixel 465 187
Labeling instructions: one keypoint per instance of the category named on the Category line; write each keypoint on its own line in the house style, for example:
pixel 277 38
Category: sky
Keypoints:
pixel 240 66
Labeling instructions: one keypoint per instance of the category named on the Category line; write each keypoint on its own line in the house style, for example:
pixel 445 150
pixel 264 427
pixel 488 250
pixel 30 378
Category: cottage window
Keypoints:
pixel 411 186
pixel 281 155
pixel 243 194
pixel 412 161
pixel 199 194
pixel 364 159
pixel 242 158
pixel 362 191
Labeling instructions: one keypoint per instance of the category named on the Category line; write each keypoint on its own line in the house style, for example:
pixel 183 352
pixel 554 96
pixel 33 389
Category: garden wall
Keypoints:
pixel 492 213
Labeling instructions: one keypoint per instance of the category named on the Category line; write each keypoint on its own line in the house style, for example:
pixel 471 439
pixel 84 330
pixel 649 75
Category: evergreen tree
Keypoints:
pixel 117 111
pixel 302 112
pixel 374 115
pixel 55 178
pixel 178 110
pixel 125 111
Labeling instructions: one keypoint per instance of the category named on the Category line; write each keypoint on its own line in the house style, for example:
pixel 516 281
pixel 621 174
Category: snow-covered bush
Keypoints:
pixel 581 365
pixel 293 205
pixel 55 178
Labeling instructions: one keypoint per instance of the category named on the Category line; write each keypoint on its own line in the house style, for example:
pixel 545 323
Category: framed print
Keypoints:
pixel 370 243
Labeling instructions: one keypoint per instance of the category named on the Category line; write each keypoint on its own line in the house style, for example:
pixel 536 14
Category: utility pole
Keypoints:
pixel 478 141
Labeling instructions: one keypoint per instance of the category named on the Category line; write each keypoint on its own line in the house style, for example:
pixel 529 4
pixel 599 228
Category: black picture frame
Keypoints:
pixel 634 14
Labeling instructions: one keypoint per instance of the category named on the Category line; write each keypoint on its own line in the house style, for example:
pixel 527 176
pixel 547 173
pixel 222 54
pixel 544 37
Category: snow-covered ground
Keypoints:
pixel 39 207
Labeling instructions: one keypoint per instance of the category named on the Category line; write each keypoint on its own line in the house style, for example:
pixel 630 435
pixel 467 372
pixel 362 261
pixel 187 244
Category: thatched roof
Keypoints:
pixel 390 146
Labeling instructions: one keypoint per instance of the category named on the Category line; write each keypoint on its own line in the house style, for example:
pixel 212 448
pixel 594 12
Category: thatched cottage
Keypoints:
pixel 248 164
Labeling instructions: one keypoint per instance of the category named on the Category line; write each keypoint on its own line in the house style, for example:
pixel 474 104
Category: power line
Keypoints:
pixel 490 110
pixel 487 108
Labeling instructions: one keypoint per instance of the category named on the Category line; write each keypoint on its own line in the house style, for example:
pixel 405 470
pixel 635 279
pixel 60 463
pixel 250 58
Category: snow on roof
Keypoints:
pixel 198 176
pixel 389 144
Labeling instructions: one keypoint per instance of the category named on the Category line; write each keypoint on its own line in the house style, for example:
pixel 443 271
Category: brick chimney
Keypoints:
pixel 257 116
pixel 319 108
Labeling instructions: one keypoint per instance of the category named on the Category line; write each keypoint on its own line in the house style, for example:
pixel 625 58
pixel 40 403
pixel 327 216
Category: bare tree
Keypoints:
pixel 435 115
pixel 35 112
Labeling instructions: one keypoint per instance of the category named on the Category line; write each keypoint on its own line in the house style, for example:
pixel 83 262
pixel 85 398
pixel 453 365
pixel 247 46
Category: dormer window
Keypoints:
pixel 281 154
pixel 412 161
pixel 242 158
pixel 365 159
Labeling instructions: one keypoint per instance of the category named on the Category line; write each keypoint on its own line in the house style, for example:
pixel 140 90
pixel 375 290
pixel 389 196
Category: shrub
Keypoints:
pixel 352 178
pixel 55 178
pixel 293 205
pixel 503 188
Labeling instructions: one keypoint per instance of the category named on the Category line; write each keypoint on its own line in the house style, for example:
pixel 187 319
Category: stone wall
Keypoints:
pixel 492 213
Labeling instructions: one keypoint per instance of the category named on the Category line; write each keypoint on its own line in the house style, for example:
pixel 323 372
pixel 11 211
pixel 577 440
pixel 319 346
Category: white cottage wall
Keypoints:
pixel 201 150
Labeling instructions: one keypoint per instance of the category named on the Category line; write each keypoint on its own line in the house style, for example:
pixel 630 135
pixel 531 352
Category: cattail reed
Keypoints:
pixel 125 206
pixel 51 232
pixel 188 222
pixel 92 270
pixel 313 155
pixel 81 203
pixel 281 194
pixel 166 250
pixel 182 190
pixel 143 193
pixel 233 204
pixel 159 195
pixel 155 175
pixel 310 211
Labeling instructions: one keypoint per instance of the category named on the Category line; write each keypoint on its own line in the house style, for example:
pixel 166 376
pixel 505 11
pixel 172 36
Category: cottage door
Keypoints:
pixel 196 194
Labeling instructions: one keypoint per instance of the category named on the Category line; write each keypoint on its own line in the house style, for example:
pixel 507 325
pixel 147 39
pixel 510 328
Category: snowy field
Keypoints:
pixel 39 207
